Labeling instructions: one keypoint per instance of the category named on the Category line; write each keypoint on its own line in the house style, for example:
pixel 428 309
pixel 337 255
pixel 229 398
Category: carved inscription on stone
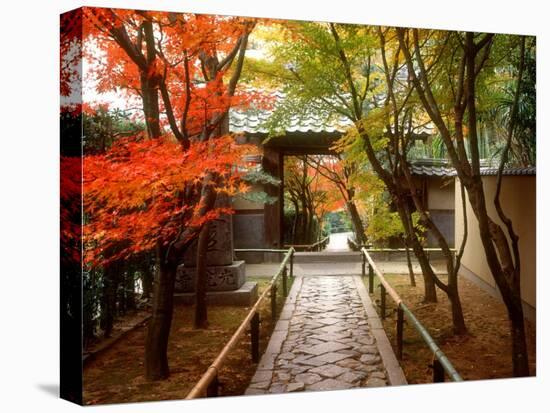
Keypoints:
pixel 223 278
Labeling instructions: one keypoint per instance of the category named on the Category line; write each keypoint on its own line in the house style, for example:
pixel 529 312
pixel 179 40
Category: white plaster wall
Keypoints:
pixel 518 199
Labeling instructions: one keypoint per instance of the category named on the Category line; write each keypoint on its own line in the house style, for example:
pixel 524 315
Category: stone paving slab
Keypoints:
pixel 329 338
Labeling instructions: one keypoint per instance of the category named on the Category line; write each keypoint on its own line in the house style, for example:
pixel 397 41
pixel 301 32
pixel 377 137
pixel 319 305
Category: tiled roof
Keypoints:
pixel 253 121
pixel 432 170
pixel 531 170
pixel 438 170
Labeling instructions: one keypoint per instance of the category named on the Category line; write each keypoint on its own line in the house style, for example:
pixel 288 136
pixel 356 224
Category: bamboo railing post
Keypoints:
pixel 399 333
pixel 273 302
pixel 382 302
pixel 438 371
pixel 255 337
pixel 364 262
pixel 285 289
pixel 371 279
pixel 213 388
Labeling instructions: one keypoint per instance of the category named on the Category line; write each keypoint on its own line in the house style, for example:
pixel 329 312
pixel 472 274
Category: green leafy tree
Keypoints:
pixel 463 74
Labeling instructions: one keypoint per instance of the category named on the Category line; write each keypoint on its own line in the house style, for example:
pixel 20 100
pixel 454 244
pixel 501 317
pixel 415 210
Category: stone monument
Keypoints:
pixel 226 278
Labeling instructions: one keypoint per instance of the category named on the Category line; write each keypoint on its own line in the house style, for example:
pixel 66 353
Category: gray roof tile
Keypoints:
pixel 432 170
pixel 436 170
pixel 253 121
pixel 531 170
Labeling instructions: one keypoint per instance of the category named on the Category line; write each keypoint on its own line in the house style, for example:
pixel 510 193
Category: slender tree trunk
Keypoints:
pixel 428 275
pixel 505 270
pixel 201 279
pixel 110 286
pixel 451 288
pixel 294 222
pixel 357 223
pixel 149 90
pixel 459 324
pixel 158 332
pixel 495 246
pixel 147 278
pixel 306 217
pixel 409 262
pixel 430 295
pixel 313 234
pixel 130 289
pixel 207 202
pixel 121 290
pixel 519 342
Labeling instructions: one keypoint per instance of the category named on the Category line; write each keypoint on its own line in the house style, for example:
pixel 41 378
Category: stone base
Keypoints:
pixel 244 296
pixel 220 278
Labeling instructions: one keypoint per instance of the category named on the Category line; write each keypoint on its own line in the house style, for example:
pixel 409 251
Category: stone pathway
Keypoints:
pixel 324 340
pixel 338 242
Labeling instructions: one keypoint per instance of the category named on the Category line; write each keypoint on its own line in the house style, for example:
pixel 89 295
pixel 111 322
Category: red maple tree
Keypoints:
pixel 158 191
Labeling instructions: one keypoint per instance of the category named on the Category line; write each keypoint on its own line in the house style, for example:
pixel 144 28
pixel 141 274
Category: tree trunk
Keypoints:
pixel 156 343
pixel 313 234
pixel 459 325
pixel 430 295
pixel 357 223
pixel 451 288
pixel 130 289
pixel 504 268
pixel 201 279
pixel 207 202
pixel 121 290
pixel 428 275
pixel 110 286
pixel 147 276
pixel 409 263
pixel 294 222
pixel 497 252
pixel 149 91
pixel 306 225
pixel 519 342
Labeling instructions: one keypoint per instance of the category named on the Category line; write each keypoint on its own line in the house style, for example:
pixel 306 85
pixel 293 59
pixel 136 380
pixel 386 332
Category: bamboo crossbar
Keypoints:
pixel 418 326
pixel 438 353
pixel 404 250
pixel 212 372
